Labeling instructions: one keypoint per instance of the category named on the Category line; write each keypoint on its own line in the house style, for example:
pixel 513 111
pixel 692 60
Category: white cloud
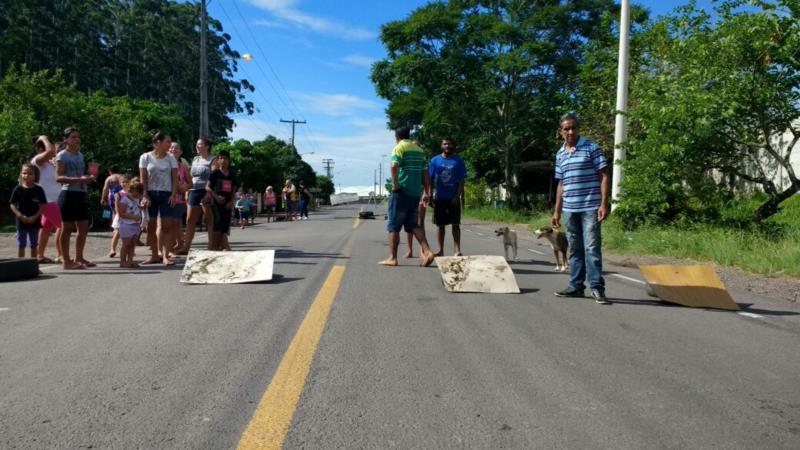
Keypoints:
pixel 357 155
pixel 359 60
pixel 372 122
pixel 270 24
pixel 336 105
pixel 287 10
pixel 256 130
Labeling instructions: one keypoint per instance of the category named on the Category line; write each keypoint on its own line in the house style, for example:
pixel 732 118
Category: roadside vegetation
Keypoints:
pixel 770 248
pixel 714 115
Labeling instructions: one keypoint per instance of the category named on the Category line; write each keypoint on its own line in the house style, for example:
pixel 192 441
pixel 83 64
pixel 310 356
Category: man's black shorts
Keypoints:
pixel 73 205
pixel 444 213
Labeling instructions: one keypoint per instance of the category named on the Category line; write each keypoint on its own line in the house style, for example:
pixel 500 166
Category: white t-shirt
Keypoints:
pixel 132 207
pixel 47 180
pixel 159 171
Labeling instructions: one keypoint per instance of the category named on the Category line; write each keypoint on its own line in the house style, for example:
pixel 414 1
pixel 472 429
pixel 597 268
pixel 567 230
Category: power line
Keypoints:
pixel 293 122
pixel 247 74
pixel 297 111
pixel 328 164
pixel 266 61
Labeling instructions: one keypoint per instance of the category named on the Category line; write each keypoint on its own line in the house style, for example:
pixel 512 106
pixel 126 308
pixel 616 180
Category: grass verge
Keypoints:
pixel 772 249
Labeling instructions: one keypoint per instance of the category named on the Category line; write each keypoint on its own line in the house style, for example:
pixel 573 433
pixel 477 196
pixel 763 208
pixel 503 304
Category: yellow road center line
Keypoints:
pixel 356 223
pixel 273 416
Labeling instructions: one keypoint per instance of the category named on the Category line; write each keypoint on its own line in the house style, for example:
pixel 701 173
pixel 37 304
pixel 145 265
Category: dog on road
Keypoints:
pixel 558 241
pixel 509 241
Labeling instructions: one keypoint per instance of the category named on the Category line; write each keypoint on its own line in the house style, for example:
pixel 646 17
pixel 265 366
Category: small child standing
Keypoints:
pixel 130 215
pixel 115 188
pixel 27 203
pixel 243 207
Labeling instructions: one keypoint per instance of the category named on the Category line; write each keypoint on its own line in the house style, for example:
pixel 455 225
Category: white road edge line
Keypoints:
pixel 628 278
pixel 747 314
pixel 537 252
pixel 5 309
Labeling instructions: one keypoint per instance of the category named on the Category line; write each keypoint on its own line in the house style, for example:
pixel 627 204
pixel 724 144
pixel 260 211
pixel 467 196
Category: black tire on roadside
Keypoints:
pixel 18 269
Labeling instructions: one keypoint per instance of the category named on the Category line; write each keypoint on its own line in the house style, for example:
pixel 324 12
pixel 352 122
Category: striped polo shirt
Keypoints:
pixel 411 160
pixel 578 171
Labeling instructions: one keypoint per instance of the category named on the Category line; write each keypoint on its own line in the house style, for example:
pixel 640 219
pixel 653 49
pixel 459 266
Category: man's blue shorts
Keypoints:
pixel 402 212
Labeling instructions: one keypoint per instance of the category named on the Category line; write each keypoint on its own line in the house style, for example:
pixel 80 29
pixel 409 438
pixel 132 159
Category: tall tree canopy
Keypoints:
pixel 494 74
pixel 145 49
pixel 713 93
pixel 268 162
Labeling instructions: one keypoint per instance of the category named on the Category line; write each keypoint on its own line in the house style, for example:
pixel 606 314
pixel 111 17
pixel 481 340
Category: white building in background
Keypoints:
pixel 775 171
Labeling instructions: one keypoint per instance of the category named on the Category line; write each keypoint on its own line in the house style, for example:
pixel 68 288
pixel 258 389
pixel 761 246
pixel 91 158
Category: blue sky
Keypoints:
pixel 311 61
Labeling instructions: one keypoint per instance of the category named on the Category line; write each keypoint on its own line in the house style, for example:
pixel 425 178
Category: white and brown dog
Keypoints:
pixel 509 240
pixel 558 241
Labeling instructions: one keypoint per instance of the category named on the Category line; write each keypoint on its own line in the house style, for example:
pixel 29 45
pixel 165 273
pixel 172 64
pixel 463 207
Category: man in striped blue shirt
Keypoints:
pixel 582 196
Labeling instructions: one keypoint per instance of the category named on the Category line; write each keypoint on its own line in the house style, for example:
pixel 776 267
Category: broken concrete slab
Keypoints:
pixel 696 286
pixel 477 273
pixel 212 267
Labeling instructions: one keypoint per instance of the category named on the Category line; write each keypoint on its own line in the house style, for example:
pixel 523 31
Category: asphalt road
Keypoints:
pixel 114 358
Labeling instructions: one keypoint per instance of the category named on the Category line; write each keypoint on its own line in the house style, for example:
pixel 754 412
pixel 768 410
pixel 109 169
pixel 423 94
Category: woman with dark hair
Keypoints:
pixel 199 199
pixel 305 199
pixel 158 172
pixel 184 184
pixel 73 202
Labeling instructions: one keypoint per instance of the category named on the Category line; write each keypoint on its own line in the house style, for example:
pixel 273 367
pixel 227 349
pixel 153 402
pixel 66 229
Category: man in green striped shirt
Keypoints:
pixel 410 186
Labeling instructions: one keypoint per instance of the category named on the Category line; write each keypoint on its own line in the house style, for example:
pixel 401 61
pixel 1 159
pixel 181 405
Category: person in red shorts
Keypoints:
pixel 45 161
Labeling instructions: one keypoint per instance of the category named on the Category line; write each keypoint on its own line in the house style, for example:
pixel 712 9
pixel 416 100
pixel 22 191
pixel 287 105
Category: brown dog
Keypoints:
pixel 558 241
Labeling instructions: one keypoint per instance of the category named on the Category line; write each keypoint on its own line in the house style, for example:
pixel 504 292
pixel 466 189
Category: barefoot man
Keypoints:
pixel 447 173
pixel 409 183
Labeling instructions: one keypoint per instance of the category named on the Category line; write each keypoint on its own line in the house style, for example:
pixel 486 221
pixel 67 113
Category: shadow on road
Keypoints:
pixel 766 312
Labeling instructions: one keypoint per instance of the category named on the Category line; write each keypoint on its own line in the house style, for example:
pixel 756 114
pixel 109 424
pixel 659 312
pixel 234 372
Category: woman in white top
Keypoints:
pixel 158 172
pixel 45 161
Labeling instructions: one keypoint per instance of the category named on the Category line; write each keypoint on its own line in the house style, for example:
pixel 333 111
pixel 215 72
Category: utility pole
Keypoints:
pixel 328 164
pixel 620 129
pixel 293 122
pixel 203 73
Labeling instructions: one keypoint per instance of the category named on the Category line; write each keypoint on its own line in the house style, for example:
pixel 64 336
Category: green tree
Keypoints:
pixel 326 188
pixel 114 131
pixel 495 75
pixel 144 49
pixel 712 95
pixel 268 162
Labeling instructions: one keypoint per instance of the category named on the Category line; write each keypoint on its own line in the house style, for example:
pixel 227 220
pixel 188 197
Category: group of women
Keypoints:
pixel 172 190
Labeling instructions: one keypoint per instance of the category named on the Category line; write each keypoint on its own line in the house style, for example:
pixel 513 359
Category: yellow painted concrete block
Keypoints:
pixel 696 286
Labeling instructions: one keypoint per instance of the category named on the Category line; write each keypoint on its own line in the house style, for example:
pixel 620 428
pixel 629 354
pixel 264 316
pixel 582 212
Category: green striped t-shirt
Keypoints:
pixel 411 160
